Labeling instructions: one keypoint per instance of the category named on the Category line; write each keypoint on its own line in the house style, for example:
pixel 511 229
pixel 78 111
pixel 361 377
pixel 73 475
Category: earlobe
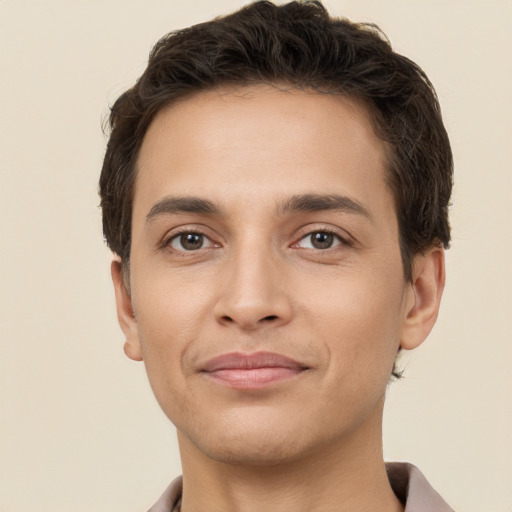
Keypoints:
pixel 125 313
pixel 424 297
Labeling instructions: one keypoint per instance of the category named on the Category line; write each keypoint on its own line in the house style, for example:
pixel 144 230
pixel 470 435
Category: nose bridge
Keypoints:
pixel 253 294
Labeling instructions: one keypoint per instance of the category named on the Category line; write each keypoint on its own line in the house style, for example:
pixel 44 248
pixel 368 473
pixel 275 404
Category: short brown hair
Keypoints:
pixel 299 44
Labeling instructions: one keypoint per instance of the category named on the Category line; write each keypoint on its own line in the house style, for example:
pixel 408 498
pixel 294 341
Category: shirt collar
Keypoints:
pixel 413 489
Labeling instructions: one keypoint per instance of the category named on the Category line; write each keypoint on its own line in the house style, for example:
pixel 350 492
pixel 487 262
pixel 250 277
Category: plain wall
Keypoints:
pixel 79 428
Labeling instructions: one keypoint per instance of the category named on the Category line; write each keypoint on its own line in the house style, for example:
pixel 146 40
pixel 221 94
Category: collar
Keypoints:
pixel 413 489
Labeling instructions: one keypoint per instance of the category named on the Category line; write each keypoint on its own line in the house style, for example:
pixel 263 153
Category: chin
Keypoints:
pixel 256 443
pixel 250 450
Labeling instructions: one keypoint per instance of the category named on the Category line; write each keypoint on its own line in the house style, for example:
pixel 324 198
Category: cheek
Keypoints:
pixel 169 319
pixel 169 309
pixel 361 337
pixel 360 322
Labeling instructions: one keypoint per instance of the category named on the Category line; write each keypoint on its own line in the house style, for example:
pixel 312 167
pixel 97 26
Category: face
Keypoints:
pixel 267 297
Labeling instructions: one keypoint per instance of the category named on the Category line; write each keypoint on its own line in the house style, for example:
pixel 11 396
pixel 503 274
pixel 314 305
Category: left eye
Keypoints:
pixel 319 240
pixel 190 241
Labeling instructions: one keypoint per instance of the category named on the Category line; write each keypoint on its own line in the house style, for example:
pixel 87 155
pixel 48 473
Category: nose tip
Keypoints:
pixel 253 296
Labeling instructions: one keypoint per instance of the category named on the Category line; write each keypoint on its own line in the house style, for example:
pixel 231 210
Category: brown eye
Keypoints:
pixel 190 242
pixel 320 240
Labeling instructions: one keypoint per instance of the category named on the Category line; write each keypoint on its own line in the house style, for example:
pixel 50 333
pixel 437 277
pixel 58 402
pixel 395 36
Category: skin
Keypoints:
pixel 257 283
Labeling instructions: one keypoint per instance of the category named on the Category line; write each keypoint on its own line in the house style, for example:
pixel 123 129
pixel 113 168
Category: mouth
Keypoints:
pixel 252 371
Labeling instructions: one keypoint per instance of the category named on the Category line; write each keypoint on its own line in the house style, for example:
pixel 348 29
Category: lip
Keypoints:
pixel 252 371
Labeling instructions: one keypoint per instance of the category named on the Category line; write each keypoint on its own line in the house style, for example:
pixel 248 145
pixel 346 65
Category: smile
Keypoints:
pixel 252 371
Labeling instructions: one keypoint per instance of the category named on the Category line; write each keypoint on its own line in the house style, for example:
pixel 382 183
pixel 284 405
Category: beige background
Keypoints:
pixel 79 428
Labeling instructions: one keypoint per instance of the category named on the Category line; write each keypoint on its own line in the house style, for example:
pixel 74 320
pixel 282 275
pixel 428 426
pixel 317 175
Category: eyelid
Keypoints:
pixel 344 238
pixel 310 246
pixel 176 232
pixel 342 235
pixel 206 242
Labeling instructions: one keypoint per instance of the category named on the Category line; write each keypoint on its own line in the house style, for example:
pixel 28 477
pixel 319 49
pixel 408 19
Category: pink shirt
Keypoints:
pixel 407 481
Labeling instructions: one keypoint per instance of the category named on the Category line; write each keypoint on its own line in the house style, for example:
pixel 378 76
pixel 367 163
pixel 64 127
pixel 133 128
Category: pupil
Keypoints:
pixel 191 241
pixel 322 240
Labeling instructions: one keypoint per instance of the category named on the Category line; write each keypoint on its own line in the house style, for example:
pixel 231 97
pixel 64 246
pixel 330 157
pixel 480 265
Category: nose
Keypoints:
pixel 254 292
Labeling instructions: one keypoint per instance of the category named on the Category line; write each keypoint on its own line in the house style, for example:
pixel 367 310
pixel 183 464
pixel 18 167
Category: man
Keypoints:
pixel 276 187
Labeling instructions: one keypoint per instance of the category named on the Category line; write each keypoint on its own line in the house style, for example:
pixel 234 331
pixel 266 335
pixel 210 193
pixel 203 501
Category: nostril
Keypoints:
pixel 250 322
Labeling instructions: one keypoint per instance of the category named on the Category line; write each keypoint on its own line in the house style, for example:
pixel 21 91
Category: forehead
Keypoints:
pixel 260 143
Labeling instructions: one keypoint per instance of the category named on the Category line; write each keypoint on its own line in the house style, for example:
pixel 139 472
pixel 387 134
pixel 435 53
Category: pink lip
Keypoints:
pixel 252 371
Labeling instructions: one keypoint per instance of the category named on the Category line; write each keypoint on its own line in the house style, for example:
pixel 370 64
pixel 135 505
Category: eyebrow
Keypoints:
pixel 321 202
pixel 173 205
pixel 299 203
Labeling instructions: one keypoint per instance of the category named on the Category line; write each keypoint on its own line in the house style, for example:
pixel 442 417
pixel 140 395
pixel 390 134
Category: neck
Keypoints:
pixel 348 475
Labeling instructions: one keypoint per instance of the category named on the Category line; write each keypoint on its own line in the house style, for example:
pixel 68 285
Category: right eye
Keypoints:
pixel 189 241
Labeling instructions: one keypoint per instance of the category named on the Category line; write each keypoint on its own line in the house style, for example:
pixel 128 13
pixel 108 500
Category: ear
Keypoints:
pixel 423 297
pixel 125 314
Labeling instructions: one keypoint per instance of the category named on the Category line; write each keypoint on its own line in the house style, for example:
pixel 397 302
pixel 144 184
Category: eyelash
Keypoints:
pixel 166 244
pixel 343 241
